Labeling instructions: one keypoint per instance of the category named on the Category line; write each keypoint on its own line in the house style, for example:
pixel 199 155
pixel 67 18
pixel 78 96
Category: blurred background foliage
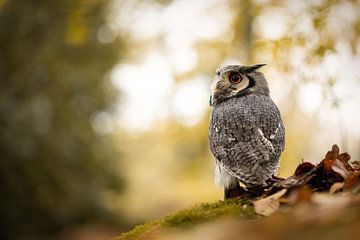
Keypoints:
pixel 54 169
pixel 103 104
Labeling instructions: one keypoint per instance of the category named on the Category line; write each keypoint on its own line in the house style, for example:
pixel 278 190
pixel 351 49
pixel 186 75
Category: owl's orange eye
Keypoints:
pixel 235 77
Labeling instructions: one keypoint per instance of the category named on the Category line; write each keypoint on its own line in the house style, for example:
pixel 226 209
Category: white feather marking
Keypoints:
pixel 272 136
pixel 261 132
pixel 218 181
pixel 222 177
pixel 266 141
pixel 231 139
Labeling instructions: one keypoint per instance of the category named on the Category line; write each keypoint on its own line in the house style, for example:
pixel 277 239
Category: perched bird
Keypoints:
pixel 246 133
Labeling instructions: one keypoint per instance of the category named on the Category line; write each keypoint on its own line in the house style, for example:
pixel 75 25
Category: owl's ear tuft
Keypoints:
pixel 252 68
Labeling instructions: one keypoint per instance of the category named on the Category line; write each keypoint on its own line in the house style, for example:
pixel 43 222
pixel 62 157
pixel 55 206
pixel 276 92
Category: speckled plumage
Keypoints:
pixel 246 133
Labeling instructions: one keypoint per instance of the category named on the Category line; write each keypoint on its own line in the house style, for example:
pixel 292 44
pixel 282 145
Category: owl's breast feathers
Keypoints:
pixel 247 136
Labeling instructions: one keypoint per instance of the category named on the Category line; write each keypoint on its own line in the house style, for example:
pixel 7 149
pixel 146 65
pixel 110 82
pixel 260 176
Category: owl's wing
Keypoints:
pixel 277 137
pixel 247 154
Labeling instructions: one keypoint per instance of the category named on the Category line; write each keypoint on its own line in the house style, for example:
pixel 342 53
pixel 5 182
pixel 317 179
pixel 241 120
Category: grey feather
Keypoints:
pixel 246 133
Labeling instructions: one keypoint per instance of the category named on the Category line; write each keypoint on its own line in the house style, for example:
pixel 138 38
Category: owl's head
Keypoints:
pixel 235 81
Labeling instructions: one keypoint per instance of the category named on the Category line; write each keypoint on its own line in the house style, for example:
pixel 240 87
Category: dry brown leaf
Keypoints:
pixel 336 187
pixel 304 168
pixel 303 194
pixel 294 181
pixel 339 167
pixel 356 165
pixel 269 205
pixel 333 173
pixel 352 181
pixel 333 154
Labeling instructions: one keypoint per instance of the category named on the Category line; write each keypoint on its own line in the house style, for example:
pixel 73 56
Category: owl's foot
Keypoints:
pixel 234 192
pixel 240 192
pixel 255 191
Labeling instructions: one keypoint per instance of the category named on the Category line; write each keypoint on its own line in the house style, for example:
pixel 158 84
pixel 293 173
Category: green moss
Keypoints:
pixel 209 211
pixel 190 217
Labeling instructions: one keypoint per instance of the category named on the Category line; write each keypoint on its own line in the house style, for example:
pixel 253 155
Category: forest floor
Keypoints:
pixel 318 202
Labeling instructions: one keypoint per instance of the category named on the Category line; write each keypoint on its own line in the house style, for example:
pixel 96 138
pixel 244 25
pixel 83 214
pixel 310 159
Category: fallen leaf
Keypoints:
pixel 304 168
pixel 293 181
pixel 352 181
pixel 325 176
pixel 336 187
pixel 303 194
pixel 269 205
pixel 339 167
pixel 356 165
pixel 333 154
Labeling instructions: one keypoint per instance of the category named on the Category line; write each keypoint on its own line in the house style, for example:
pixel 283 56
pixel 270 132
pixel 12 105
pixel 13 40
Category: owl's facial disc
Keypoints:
pixel 227 84
pixel 237 82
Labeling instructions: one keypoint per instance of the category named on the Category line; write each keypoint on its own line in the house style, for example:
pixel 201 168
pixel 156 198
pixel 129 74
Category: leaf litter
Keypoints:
pixel 330 184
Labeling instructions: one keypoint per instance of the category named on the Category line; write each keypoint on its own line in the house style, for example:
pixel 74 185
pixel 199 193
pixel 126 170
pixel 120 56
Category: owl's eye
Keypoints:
pixel 235 77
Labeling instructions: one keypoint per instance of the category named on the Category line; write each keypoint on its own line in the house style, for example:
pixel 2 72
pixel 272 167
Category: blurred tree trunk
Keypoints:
pixel 54 168
pixel 248 32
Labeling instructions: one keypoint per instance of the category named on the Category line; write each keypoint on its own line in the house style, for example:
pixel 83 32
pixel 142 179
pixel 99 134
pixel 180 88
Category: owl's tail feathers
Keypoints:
pixel 223 177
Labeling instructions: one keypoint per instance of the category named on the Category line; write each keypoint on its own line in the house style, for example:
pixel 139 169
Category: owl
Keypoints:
pixel 246 133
